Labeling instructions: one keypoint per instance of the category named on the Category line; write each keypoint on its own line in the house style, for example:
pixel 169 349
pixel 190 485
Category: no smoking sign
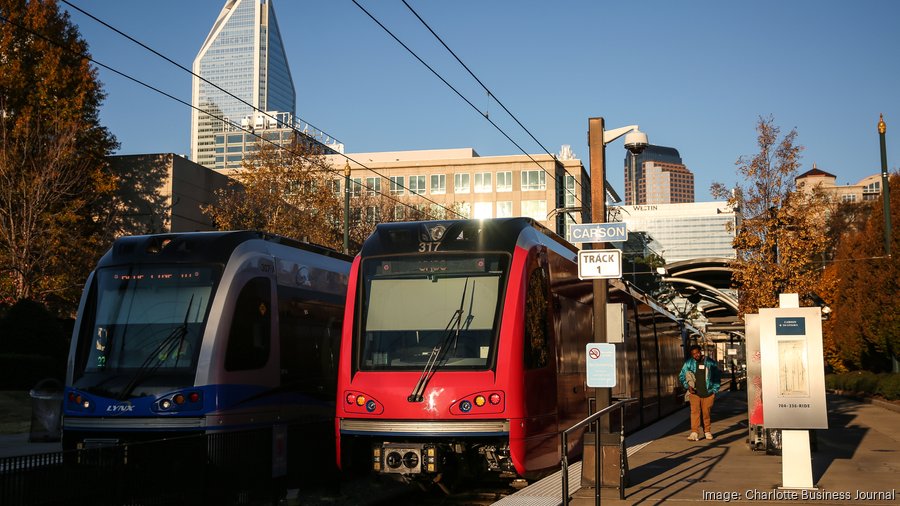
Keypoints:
pixel 601 365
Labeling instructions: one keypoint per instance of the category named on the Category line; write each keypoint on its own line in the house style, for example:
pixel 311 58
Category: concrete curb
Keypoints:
pixel 868 400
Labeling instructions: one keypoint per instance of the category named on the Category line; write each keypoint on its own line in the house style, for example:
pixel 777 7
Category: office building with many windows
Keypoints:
pixel 553 191
pixel 684 231
pixel 866 189
pixel 657 176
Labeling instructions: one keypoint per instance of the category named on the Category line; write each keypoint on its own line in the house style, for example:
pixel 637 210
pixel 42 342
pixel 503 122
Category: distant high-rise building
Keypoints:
pixel 657 176
pixel 684 231
pixel 244 55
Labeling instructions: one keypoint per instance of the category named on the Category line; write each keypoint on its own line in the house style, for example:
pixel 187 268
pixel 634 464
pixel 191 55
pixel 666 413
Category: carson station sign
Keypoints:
pixel 597 232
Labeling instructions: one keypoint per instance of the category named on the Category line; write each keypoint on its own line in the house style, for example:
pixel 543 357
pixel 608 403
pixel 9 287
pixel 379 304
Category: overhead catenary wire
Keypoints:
pixel 228 121
pixel 463 97
pixel 224 120
pixel 486 89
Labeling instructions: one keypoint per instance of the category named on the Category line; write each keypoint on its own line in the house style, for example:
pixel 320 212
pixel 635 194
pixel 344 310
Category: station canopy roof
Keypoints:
pixel 707 283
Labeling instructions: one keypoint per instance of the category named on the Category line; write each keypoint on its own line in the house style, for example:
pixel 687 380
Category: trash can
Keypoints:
pixel 46 410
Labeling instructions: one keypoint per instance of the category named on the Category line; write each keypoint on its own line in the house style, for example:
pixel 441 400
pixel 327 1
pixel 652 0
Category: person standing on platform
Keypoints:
pixel 701 377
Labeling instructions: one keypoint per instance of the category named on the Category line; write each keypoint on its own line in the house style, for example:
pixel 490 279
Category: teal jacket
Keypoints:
pixel 713 376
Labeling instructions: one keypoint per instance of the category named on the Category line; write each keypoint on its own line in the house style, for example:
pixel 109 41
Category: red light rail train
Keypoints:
pixel 463 351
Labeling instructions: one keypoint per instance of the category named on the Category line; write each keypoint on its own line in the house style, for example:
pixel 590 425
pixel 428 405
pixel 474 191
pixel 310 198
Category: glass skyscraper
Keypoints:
pixel 657 176
pixel 243 55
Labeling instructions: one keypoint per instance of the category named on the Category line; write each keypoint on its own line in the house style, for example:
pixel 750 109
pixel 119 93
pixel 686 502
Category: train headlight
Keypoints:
pixel 358 402
pixel 165 404
pixel 86 404
pixel 393 460
pixel 411 460
pixel 479 403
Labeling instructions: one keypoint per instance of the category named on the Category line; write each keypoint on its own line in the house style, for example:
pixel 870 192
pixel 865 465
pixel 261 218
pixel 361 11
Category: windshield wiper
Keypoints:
pixel 440 349
pixel 166 346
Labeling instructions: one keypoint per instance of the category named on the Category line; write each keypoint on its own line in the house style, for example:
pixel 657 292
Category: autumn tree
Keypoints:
pixel 865 319
pixel 780 240
pixel 288 192
pixel 295 192
pixel 55 189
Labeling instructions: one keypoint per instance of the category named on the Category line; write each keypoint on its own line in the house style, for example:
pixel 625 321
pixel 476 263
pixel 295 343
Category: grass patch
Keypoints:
pixel 15 411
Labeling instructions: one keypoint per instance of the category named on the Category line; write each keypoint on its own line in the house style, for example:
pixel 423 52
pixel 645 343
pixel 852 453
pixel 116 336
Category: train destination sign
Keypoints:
pixel 597 232
pixel 599 264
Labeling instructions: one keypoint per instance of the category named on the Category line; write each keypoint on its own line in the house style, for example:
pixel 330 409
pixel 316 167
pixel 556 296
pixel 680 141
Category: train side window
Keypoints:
pixel 250 335
pixel 537 347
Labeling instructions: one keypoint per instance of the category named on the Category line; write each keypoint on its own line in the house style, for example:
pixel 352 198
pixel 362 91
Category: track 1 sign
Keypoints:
pixel 599 264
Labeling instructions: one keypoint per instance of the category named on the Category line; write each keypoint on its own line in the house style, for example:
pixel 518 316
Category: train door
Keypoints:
pixel 540 394
pixel 574 331
pixel 247 350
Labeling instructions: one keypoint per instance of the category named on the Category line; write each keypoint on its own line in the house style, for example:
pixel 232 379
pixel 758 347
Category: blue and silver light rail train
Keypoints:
pixel 196 333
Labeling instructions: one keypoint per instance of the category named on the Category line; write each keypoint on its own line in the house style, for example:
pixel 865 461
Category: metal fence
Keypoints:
pixel 226 468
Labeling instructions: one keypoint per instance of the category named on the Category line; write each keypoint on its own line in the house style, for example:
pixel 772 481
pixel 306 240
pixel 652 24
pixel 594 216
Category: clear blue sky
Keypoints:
pixel 695 75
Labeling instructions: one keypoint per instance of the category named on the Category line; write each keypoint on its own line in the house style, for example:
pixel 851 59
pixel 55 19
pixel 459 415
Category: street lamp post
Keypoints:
pixel 347 208
pixel 885 187
pixel 635 141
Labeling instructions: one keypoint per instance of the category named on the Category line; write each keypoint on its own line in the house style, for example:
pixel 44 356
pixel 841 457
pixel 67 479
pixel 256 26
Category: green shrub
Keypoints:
pixel 18 371
pixel 859 381
pixel 889 386
pixel 30 329
pixel 831 382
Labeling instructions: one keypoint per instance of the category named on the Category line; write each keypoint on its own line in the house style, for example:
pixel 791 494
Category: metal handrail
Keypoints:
pixel 593 419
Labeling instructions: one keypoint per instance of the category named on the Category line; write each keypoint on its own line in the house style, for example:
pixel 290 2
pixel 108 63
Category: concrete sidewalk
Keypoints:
pixel 14 445
pixel 857 462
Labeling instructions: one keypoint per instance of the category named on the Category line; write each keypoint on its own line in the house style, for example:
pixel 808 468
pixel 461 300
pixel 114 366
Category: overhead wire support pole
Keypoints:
pixel 885 186
pixel 635 141
pixel 602 396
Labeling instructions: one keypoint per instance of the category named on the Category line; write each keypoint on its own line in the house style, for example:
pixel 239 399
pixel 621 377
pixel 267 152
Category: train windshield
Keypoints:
pixel 441 309
pixel 145 321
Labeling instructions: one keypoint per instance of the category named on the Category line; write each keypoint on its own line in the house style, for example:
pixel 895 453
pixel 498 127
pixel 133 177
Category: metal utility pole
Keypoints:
pixel 611 462
pixel 597 149
pixel 600 466
pixel 885 187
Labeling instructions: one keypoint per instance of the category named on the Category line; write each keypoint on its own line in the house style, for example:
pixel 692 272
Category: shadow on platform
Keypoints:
pixel 857 454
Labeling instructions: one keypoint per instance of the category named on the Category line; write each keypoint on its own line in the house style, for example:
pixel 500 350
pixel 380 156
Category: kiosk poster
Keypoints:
pixel 792 368
pixel 754 369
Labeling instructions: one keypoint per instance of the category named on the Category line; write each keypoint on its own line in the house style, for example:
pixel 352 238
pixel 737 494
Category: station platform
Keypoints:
pixel 855 461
